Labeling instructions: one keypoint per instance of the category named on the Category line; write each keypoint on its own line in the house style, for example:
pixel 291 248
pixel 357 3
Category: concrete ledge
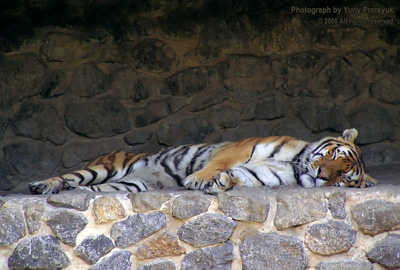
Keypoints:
pixel 245 228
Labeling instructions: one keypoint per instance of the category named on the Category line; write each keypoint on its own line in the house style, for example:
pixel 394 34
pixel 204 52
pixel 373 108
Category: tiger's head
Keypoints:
pixel 337 162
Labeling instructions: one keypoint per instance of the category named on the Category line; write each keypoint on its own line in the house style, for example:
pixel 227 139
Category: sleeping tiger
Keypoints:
pixel 270 161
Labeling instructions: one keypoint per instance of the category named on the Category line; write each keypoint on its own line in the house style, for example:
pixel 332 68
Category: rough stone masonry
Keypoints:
pixel 263 228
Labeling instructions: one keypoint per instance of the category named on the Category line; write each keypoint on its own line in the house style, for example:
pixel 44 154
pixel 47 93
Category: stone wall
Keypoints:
pixel 78 79
pixel 245 228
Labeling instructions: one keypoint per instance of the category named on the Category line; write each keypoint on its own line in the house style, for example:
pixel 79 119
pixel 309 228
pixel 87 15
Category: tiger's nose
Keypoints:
pixel 321 174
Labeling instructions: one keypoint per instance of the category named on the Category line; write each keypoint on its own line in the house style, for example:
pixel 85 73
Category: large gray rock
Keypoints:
pixel 292 126
pixel 32 157
pixel 83 117
pixel 12 226
pixel 247 77
pixel 269 107
pixel 385 91
pixel 376 216
pixel 271 251
pixel 3 124
pixel 292 71
pixel 387 61
pixel 337 80
pixel 345 265
pixel 88 80
pixel 119 260
pixel 154 55
pixel 62 47
pixel 207 99
pixel 190 205
pixel 158 265
pixel 341 37
pixel 39 120
pixel 381 153
pixel 336 201
pixel 191 81
pixel 246 89
pixel 156 110
pixel 330 238
pixel 374 123
pixel 243 66
pixel 42 252
pixel 138 136
pixel 5 185
pixel 129 84
pixel 79 201
pixel 385 252
pixel 361 60
pixel 183 130
pixel 136 227
pixel 225 116
pixel 23 76
pixel 151 200
pixel 144 26
pixel 257 128
pixel 66 224
pixel 219 257
pixel 244 205
pixel 289 214
pixel 288 35
pixel 304 60
pixel 34 215
pixel 207 229
pixel 57 84
pixel 320 114
pixel 92 249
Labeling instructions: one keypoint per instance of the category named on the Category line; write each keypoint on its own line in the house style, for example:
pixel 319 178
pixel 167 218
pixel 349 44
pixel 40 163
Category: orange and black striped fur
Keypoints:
pixel 270 161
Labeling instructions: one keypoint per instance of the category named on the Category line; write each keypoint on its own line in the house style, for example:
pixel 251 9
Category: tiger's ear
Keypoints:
pixel 350 134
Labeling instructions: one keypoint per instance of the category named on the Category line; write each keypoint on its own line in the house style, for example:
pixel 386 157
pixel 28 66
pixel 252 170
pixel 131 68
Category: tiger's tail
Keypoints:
pixel 98 175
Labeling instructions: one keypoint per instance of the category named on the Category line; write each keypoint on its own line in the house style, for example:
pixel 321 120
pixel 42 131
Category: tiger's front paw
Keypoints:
pixel 220 183
pixel 369 181
pixel 195 182
pixel 49 186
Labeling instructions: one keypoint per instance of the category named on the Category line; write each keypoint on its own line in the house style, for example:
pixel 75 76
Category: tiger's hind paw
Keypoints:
pixel 69 184
pixel 49 186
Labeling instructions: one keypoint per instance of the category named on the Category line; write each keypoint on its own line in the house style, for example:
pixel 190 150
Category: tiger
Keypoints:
pixel 217 167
